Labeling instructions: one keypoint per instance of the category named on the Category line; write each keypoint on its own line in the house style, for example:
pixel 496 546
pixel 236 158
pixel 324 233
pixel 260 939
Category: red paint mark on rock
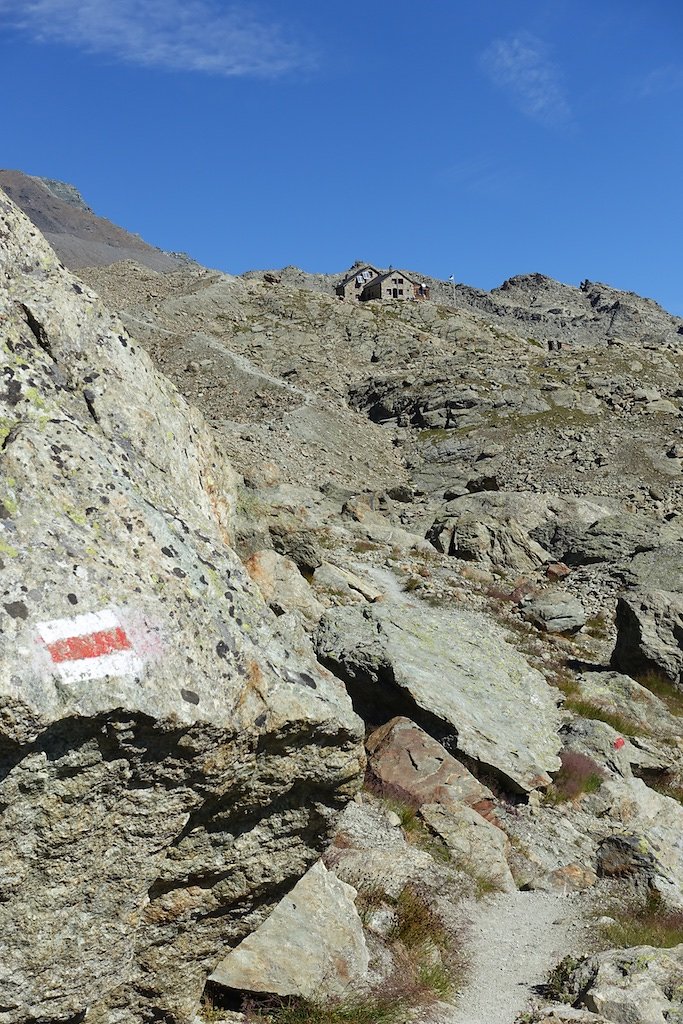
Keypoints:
pixel 105 641
pixel 619 743
pixel 90 646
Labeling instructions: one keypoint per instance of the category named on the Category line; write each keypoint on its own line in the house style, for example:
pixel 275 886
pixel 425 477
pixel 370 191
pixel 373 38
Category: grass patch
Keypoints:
pixel 361 546
pixel 565 681
pixel 597 627
pixel 648 924
pixel 434 434
pixel 662 687
pixel 588 709
pixel 417 924
pixel 358 1010
pixel 578 774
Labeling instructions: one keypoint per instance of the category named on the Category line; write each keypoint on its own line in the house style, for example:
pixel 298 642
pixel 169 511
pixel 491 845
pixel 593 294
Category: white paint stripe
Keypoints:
pixel 123 663
pixel 80 625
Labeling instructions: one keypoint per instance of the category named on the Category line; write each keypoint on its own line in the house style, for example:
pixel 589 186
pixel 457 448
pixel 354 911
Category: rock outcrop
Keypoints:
pixel 170 768
pixel 642 985
pixel 78 236
pixel 650 634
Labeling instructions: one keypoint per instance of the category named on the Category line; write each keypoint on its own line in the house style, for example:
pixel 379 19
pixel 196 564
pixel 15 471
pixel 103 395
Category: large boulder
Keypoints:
pixel 455 674
pixel 477 846
pixel 493 543
pixel 650 634
pixel 609 539
pixel 659 569
pixel 555 612
pixel 169 766
pixel 645 844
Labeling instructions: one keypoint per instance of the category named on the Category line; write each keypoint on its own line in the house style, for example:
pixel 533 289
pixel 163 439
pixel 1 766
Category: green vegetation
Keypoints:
pixel 486 887
pixel 648 924
pixel 416 832
pixel 662 687
pixel 358 1010
pixel 589 709
pixel 597 627
pixel 428 965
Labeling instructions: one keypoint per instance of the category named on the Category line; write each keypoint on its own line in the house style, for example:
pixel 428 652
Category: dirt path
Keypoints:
pixel 515 940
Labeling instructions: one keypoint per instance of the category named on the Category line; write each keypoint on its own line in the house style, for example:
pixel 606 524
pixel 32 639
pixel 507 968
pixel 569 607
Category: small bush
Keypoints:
pixel 486 887
pixel 368 1009
pixel 417 923
pixel 648 924
pixel 579 774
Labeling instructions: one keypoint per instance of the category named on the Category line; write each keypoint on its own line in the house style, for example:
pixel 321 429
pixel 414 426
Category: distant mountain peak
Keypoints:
pixel 68 193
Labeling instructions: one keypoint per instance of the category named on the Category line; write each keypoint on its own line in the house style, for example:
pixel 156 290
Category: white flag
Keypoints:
pixel 451 278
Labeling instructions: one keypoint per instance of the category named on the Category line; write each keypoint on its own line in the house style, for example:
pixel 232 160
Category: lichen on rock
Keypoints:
pixel 170 768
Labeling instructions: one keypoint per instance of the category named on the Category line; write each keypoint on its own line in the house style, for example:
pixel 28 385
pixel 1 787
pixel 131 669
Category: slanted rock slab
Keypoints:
pixel 477 846
pixel 312 945
pixel 456 675
pixel 168 764
pixel 406 757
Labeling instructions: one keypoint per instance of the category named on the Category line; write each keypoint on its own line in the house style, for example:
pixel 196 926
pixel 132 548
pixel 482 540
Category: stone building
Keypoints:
pixel 365 282
pixel 356 280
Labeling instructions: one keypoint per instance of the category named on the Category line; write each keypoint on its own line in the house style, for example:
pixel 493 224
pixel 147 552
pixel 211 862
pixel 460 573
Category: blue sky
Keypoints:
pixel 476 139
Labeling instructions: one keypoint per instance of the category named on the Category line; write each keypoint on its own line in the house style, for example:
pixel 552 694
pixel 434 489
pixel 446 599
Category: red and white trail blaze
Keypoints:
pixel 89 646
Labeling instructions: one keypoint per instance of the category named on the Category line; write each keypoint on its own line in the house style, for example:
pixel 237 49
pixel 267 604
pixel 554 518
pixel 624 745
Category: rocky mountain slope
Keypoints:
pixel 78 236
pixel 481 539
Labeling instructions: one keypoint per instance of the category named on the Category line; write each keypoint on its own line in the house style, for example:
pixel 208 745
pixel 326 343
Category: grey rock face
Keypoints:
pixel 641 985
pixel 494 544
pixel 661 569
pixel 475 844
pixel 608 539
pixel 312 945
pixel 455 674
pixel 639 705
pixel 168 764
pixel 555 612
pixel 650 634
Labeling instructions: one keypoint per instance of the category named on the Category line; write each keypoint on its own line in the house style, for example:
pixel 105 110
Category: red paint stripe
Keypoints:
pixel 92 645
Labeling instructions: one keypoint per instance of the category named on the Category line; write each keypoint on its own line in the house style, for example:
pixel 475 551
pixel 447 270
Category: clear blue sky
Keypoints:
pixel 482 139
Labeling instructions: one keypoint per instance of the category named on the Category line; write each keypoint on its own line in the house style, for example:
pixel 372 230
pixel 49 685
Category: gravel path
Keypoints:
pixel 515 940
